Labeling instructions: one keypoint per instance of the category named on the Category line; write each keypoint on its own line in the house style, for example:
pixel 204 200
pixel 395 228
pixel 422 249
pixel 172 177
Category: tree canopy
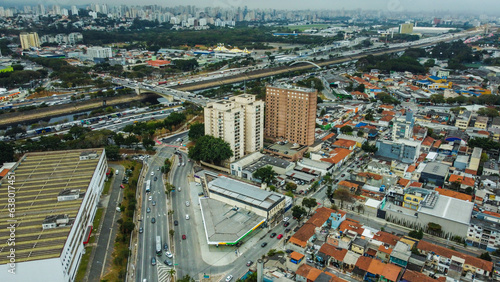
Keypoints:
pixel 196 130
pixel 265 174
pixel 343 195
pixel 210 149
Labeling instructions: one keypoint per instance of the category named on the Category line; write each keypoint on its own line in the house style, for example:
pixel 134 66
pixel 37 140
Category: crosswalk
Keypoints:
pixel 163 273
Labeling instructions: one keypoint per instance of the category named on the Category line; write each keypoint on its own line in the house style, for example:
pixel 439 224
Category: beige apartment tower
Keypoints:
pixel 239 121
pixel 291 114
pixel 29 40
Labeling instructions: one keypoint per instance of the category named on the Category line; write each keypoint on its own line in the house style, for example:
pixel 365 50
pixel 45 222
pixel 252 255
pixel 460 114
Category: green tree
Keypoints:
pixel 265 174
pixel 14 131
pixel 309 203
pixel 112 152
pixel 210 149
pixel 298 212
pixel 430 63
pixel 329 191
pixel 346 129
pixel 485 256
pixel 369 148
pixel 360 133
pixel 6 152
pixel 186 278
pixel 416 234
pixel 290 186
pixel 343 195
pixel 196 130
pixel 489 112
pixel 437 99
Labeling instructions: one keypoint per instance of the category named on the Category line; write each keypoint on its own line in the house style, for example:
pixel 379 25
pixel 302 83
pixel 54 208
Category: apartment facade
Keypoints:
pixel 291 113
pixel 239 121
pixel 403 127
pixel 29 40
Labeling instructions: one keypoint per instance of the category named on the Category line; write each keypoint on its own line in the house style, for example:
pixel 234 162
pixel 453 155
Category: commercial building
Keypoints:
pixel 98 52
pixel 407 151
pixel 239 121
pixel 462 121
pixel 434 173
pixel 291 114
pixel 240 194
pixel 56 196
pixel 481 122
pixel 403 127
pixel 29 40
pixel 475 159
pixel 246 166
pixel 406 28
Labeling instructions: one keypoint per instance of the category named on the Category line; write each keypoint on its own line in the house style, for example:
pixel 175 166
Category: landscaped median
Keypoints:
pixel 121 251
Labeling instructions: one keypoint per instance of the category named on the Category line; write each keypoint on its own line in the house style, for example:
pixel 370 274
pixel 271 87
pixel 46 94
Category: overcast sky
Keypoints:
pixel 486 6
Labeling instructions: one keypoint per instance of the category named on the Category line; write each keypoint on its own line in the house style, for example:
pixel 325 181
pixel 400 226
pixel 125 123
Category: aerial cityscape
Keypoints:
pixel 250 141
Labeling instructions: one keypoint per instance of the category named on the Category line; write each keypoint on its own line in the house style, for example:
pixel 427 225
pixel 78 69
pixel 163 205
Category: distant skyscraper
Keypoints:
pixel 291 113
pixel 239 121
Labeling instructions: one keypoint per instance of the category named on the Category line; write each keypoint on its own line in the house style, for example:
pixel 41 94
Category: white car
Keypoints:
pixel 229 278
pixel 168 254
pixel 286 219
pixel 150 198
pixel 187 216
pixel 187 203
pixel 152 173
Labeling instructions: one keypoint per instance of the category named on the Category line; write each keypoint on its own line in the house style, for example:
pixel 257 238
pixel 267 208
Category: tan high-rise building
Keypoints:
pixel 29 40
pixel 291 113
pixel 239 121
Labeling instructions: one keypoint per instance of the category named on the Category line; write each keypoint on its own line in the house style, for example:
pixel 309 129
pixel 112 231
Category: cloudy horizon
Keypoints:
pixel 482 6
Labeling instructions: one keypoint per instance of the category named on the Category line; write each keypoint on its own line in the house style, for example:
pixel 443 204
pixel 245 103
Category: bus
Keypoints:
pixel 158 245
pixel 148 186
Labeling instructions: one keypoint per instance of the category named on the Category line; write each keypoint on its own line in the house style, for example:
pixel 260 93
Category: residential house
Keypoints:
pixel 400 254
pixel 412 276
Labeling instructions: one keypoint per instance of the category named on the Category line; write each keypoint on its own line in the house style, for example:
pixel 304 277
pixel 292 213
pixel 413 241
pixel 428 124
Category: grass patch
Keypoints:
pixel 84 263
pixel 107 186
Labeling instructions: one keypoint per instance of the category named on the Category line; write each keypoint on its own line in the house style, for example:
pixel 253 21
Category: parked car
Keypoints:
pixel 286 224
pixel 169 254
pixel 286 219
pixel 141 229
pixel 273 235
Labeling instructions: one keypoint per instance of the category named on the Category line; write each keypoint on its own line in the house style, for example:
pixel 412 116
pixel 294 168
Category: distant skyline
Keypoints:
pixel 479 6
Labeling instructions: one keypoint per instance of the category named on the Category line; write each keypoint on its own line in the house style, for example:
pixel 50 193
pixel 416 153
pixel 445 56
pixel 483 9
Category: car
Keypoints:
pixel 156 178
pixel 263 244
pixel 184 237
pixel 152 173
pixel 150 198
pixel 288 251
pixel 179 189
pixel 169 254
pixel 273 235
pixel 165 246
pixel 148 210
pixel 121 186
pixel 167 262
pixel 229 278
pixel 154 203
pixel 187 216
pixel 249 263
pixel 153 261
pixel 176 222
pixel 343 174
pixel 141 229
pixel 287 230
pixel 153 220
pixel 286 224
pixel 280 236
pixel 187 203
pixel 286 219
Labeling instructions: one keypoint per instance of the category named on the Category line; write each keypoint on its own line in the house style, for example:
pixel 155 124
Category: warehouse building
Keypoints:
pixel 56 196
